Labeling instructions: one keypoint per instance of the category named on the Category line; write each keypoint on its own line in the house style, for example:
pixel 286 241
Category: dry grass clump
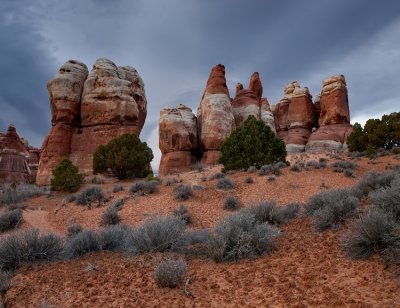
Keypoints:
pixel 144 188
pixel 90 195
pixel 225 184
pixel 183 213
pixel 183 192
pixel 16 193
pixel 169 273
pixel 10 220
pixel 231 203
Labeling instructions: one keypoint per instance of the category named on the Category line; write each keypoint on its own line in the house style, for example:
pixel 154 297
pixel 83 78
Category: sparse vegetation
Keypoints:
pixel 169 273
pixel 144 188
pixel 331 208
pixel 183 213
pixel 90 195
pixel 231 203
pixel 342 165
pixel 66 177
pixel 269 212
pixel 73 229
pixel 117 188
pixel 183 192
pixel 10 194
pixel 388 199
pixel 225 184
pixel 371 233
pixel 274 169
pixel 348 173
pixel 110 216
pixel 296 167
pixel 240 236
pixel 373 181
pixel 253 144
pixel 81 243
pixel 217 176
pixel 198 166
pixel 155 235
pixel 10 220
pixel 170 181
pixel 28 246
pixel 249 180
pixel 124 157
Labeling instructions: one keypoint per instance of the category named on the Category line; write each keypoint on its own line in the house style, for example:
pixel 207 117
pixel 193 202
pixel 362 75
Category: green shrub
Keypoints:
pixel 66 177
pixel 377 133
pixel 253 144
pixel 124 157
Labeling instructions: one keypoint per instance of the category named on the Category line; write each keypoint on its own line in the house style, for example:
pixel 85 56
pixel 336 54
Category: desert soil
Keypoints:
pixel 308 268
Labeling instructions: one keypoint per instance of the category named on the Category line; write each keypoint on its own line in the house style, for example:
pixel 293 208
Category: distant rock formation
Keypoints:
pixel 217 117
pixel 18 160
pixel 300 123
pixel 89 110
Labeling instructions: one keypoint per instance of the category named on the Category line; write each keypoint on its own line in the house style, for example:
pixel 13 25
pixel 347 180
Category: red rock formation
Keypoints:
pixel 14 158
pixel 334 118
pixel 266 114
pixel 244 105
pixel 256 86
pixel 89 110
pixel 334 102
pixel 215 120
pixel 300 118
pixel 177 139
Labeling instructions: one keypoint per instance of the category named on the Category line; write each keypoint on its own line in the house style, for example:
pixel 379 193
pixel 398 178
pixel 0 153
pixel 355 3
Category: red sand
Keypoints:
pixel 307 269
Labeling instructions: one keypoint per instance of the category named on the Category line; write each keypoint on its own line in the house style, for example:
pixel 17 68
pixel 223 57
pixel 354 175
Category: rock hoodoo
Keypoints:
pixel 215 119
pixel 89 110
pixel 18 160
pixel 334 117
pixel 177 139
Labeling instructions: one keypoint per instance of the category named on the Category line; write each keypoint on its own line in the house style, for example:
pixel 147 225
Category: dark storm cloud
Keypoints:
pixel 25 66
pixel 174 44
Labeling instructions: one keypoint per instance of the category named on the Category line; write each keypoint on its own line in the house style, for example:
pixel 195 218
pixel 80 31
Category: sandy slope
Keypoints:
pixel 307 269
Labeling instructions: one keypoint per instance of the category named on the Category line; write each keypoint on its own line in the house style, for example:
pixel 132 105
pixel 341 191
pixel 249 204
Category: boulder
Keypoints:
pixel 176 162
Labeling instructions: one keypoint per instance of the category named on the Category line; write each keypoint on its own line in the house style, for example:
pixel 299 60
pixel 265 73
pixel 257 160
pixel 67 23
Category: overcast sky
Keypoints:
pixel 174 43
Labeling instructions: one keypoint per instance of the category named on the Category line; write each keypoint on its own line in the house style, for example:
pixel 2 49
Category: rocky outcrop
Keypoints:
pixel 244 105
pixel 177 139
pixel 255 85
pixel 300 119
pixel 266 114
pixel 334 117
pixel 17 158
pixel 89 110
pixel 215 119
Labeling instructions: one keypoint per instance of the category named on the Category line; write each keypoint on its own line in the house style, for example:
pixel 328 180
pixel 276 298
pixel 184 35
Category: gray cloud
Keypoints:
pixel 174 44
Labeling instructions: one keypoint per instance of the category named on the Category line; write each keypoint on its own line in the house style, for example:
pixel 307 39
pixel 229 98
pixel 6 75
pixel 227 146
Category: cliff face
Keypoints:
pixel 18 160
pixel 89 109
